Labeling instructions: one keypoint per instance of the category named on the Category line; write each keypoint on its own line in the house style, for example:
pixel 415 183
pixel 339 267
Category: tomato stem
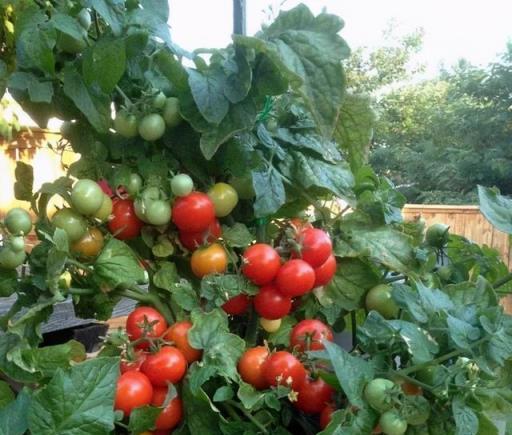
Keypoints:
pixel 424 386
pixel 248 415
pixel 79 265
pixel 127 100
pixel 440 359
pixel 502 281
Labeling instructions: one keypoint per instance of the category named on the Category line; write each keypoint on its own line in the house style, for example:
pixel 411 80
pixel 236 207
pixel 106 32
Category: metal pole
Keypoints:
pixel 239 17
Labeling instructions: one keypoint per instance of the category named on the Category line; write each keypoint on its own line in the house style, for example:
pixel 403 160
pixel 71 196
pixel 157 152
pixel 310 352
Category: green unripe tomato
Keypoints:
pixel 17 244
pixel 10 259
pixel 379 299
pixel 84 18
pixel 152 127
pixel 105 210
pixel 378 394
pixel 126 124
pixel 86 197
pixel 224 198
pixel 437 235
pixel 243 186
pixel 182 185
pixel 158 212
pixel 18 221
pixel 141 204
pixel 159 100
pixel 171 113
pixel 392 424
pixel 71 222
pixel 134 185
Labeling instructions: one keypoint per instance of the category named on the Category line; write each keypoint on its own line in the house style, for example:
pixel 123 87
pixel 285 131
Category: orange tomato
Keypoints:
pixel 90 244
pixel 212 259
pixel 178 333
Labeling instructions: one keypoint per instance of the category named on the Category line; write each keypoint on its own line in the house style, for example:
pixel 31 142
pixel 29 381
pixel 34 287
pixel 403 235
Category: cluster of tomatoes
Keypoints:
pixel 156 358
pixel 16 225
pixel 149 121
pixel 264 369
pixel 311 264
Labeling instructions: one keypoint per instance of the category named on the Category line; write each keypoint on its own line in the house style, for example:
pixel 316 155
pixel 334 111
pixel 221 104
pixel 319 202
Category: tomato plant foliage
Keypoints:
pixel 267 119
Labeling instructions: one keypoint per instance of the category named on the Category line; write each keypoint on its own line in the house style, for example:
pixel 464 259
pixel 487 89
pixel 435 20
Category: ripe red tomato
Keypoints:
pixel 192 241
pixel 260 263
pixel 166 365
pixel 211 259
pixel 172 414
pixel 282 368
pixel 308 335
pixel 313 396
pixel 125 225
pixel 133 390
pixel 326 416
pixel 145 315
pixel 134 365
pixel 178 334
pixel 316 246
pixel 271 304
pixel 251 365
pixel 237 305
pixel 295 278
pixel 325 272
pixel 193 213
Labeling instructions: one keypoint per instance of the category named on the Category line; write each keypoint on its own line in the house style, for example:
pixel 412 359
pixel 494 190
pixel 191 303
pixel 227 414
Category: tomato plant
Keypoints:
pixel 271 149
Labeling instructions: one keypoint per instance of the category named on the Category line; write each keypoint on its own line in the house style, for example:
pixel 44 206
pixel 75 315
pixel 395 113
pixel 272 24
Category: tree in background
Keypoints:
pixel 437 139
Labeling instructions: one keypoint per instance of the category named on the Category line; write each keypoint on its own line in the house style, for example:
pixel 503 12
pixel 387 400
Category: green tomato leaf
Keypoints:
pixel 143 418
pixel 111 12
pixel 14 415
pixel 166 276
pixel 6 394
pixel 201 415
pixel 117 265
pixel 223 393
pixel 184 295
pixel 8 282
pixel 354 129
pixel 38 91
pixel 220 288
pixel 348 422
pixel 68 25
pixel 462 333
pixel 496 208
pixel 282 336
pixel 10 343
pixel 352 372
pixel 104 64
pixel 237 236
pixel 207 89
pixel 95 107
pixel 311 142
pixel 221 349
pixel 34 48
pixel 78 401
pixel 269 189
pixel 465 418
pixel 352 280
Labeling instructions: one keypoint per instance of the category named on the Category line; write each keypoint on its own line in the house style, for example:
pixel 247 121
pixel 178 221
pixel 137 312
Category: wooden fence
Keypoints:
pixel 464 220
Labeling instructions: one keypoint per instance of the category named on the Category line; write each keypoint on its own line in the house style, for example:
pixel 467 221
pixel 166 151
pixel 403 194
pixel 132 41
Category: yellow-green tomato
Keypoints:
pixel 171 113
pixel 87 197
pixel 10 259
pixel 105 210
pixel 152 127
pixel 379 299
pixel 18 221
pixel 270 325
pixel 71 222
pixel 17 243
pixel 224 198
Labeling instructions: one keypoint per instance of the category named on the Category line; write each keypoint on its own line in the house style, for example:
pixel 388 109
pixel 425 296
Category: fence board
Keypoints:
pixel 464 220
